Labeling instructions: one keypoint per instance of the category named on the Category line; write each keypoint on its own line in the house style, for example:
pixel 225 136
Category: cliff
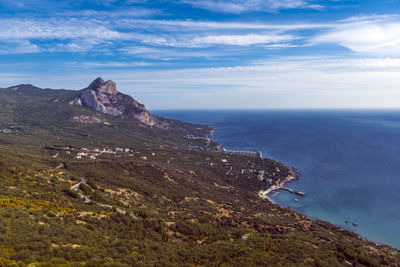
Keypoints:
pixel 104 97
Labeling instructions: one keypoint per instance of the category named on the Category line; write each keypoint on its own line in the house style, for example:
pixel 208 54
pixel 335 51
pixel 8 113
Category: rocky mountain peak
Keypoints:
pixel 108 87
pixel 104 97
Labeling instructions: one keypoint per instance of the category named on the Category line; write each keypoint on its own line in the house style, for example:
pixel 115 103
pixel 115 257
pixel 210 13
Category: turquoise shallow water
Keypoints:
pixel 349 161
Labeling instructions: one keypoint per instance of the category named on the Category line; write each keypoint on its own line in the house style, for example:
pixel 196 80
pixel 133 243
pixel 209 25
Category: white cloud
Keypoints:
pixel 78 7
pixel 301 83
pixel 190 41
pixel 56 29
pixel 106 65
pixel 369 18
pixel 71 35
pixel 171 54
pixel 9 79
pixel 125 13
pixel 242 40
pixel 77 35
pixel 18 47
pixel 366 34
pixel 279 83
pixel 190 25
pixel 328 64
pixel 241 6
pixel 373 37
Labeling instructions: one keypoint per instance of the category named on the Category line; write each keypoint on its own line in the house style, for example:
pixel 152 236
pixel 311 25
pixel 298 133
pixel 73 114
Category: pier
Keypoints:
pixel 293 175
pixel 275 194
pixel 293 191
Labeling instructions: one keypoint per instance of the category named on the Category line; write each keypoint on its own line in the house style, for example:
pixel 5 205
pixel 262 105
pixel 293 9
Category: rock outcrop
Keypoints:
pixel 108 87
pixel 104 97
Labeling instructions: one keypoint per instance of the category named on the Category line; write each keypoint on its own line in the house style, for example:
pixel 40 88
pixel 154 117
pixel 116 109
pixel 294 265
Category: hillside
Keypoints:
pixel 28 105
pixel 93 185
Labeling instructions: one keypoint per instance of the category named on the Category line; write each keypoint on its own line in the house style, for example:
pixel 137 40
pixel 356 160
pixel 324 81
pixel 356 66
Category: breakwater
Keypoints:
pixel 293 175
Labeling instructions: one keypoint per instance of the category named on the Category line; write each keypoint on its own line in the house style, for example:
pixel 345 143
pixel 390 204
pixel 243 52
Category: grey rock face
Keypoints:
pixel 76 102
pixel 108 87
pixel 104 97
pixel 101 102
pixel 146 118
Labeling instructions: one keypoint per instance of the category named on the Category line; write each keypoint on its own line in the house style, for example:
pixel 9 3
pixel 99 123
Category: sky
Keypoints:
pixel 210 54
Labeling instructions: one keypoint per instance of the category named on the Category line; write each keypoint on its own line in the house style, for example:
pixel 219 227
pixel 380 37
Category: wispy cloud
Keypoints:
pixel 179 50
pixel 190 41
pixel 77 35
pixel 167 54
pixel 365 37
pixel 97 32
pixel 105 65
pixel 241 6
pixel 18 47
pixel 130 12
pixel 56 28
pixel 242 40
pixel 52 35
pixel 279 83
pixel 110 8
pixel 201 25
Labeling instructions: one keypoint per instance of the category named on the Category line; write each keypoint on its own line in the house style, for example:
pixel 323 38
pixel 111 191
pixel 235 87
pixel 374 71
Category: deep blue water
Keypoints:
pixel 349 161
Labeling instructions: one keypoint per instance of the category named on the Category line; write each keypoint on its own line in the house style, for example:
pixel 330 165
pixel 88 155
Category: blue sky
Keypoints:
pixel 236 54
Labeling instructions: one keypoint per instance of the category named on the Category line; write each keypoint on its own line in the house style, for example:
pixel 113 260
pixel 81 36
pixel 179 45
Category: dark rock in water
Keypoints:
pixel 355 224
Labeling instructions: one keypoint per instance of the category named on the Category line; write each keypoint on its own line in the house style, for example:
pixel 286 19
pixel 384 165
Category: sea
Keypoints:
pixel 349 161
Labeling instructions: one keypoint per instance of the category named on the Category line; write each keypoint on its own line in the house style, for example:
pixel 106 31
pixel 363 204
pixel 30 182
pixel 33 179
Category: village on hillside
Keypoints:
pixel 93 153
pixel 233 164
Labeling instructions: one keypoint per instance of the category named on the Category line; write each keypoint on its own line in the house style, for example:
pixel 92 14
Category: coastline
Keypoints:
pixel 281 185
pixel 233 140
pixel 293 175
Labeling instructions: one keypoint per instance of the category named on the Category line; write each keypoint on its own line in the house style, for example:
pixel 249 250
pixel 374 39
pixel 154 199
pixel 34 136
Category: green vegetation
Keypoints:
pixel 183 206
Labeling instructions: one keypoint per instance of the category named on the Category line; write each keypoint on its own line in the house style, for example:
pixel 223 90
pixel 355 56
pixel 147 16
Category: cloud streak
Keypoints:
pixel 18 47
pixel 242 6
pixel 218 52
pixel 56 29
pixel 365 34
pixel 374 38
pixel 242 40
pixel 297 83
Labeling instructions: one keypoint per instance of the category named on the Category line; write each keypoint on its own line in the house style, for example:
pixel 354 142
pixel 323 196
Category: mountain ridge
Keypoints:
pixel 101 97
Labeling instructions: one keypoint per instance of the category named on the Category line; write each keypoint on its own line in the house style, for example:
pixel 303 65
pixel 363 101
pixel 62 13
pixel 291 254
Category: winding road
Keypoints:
pixel 87 200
